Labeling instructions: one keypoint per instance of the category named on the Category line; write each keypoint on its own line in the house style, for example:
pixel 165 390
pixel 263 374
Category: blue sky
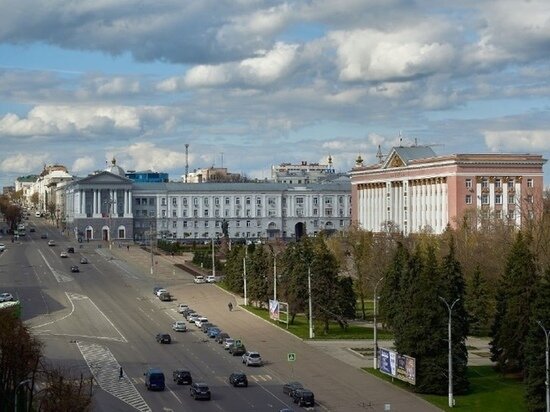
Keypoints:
pixel 266 82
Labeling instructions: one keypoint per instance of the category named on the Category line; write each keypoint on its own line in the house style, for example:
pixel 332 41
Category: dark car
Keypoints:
pixel 206 326
pixel 32 230
pixel 70 250
pixel 43 236
pixel 164 338
pixel 237 350
pixel 213 332
pixel 220 337
pixel 303 397
pixel 182 377
pixel 290 387
pixel 165 297
pixel 238 379
pixel 75 269
pixel 154 379
pixel 200 391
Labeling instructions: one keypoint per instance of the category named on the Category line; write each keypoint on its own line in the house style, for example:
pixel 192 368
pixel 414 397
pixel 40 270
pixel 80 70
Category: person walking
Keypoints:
pixel 121 374
pixel 230 306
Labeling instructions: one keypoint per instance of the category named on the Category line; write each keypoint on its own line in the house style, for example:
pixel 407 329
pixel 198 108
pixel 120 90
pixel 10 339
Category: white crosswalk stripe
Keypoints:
pixel 105 369
pixel 260 378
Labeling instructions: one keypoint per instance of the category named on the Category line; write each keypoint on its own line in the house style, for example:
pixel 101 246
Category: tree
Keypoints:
pixel 257 283
pixel 293 278
pixel 35 199
pixel 479 304
pixel 512 318
pixel 390 294
pixel 535 347
pixel 345 301
pixel 233 270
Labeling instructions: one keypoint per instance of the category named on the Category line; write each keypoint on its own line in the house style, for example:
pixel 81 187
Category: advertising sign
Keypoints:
pixel 399 366
pixel 274 309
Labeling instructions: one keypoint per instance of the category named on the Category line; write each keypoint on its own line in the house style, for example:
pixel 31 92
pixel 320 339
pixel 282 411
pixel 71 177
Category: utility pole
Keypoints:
pixel 244 280
pixel 450 308
pixel 547 381
pixel 375 360
pixel 151 247
pixel 310 303
pixel 213 259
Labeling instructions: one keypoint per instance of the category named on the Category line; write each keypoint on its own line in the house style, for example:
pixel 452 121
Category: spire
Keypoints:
pixel 379 155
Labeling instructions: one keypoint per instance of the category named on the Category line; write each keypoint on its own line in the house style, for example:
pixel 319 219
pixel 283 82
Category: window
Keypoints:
pixel 195 201
pixel 340 200
pixel 174 201
pixel 138 201
pixel 227 201
pixel 217 201
pixel 529 182
pixel 468 199
pixel 247 200
pixel 341 223
pixel 206 223
pixel 484 183
pixel 218 223
pixel 510 184
pixel 185 223
pixel 196 223
pixel 258 212
pixel 498 214
pixel 237 200
pixel 315 212
pixel 511 199
pixel 315 201
pixel 328 200
pixel 498 199
pixel 163 213
pixel 174 224
pixel 174 213
pixel 248 213
pixel 299 200
pixel 217 213
pixel 195 213
pixel 184 212
pixel 315 223
pixel 259 201
pixel 259 223
pixel 498 183
pixel 163 201
pixel 248 223
pixel 511 214
pixel 484 199
pixel 205 213
pixel 529 198
pixel 205 201
pixel 272 201
pixel 238 223
pixel 184 201
pixel 328 212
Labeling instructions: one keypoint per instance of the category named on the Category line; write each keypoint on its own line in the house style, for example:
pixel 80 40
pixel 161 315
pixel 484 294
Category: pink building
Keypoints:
pixel 415 190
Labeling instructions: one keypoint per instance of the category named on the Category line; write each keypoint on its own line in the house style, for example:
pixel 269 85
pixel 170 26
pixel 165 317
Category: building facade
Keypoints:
pixel 303 173
pixel 415 190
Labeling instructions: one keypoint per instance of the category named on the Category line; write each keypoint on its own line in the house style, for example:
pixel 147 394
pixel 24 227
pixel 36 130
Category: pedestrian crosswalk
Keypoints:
pixel 260 378
pixel 106 371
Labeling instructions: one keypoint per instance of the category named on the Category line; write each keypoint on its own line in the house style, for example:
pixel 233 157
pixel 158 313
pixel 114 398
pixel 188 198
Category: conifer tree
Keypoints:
pixel 390 303
pixel 479 304
pixel 257 283
pixel 535 347
pixel 233 270
pixel 512 318
pixel 293 279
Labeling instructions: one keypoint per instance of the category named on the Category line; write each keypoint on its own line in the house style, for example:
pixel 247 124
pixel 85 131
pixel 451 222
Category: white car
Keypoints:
pixel 63 254
pixel 252 359
pixel 199 321
pixel 2 247
pixel 192 318
pixel 228 342
pixel 210 279
pixel 199 279
pixel 161 291
pixel 179 326
pixel 6 297
pixel 182 307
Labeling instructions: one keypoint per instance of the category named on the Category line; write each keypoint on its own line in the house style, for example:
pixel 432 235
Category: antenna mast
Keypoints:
pixel 186 161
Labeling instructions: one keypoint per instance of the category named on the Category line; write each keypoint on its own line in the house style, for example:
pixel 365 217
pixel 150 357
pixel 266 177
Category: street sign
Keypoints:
pixel 238 343
pixel 291 357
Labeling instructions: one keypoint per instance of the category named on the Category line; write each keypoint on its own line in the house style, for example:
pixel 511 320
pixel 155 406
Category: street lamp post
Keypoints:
pixel 310 303
pixel 375 359
pixel 450 309
pixel 547 381
pixel 213 260
pixel 274 277
pixel 244 280
pixel 24 382
pixel 151 247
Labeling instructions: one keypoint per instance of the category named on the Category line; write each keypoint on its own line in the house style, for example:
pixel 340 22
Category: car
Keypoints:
pixel 70 250
pixel 32 230
pixel 182 377
pixel 252 359
pixel 163 338
pixel 211 279
pixel 154 379
pixel 2 247
pixel 199 279
pixel 179 326
pixel 193 317
pixel 160 291
pixel 200 320
pixel 182 307
pixel 51 242
pixel 63 254
pixel 156 289
pixel 165 296
pixel 43 236
pixel 290 387
pixel 220 337
pixel 188 313
pixel 83 260
pixel 205 326
pixel 200 390
pixel 213 332
pixel 238 379
pixel 75 269
pixel 303 397
pixel 237 350
pixel 227 343
pixel 6 297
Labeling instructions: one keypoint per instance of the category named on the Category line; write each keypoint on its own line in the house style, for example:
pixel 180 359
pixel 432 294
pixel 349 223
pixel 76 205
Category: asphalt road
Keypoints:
pixel 106 317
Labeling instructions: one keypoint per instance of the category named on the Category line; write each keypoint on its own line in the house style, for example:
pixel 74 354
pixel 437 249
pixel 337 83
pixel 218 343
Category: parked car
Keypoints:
pixel 179 326
pixel 154 379
pixel 83 260
pixel 43 236
pixel 238 379
pixel 220 337
pixel 237 350
pixel 199 279
pixel 163 338
pixel 32 230
pixel 193 317
pixel 227 343
pixel 63 254
pixel 200 391
pixel 51 242
pixel 200 320
pixel 75 269
pixel 290 387
pixel 6 297
pixel 213 332
pixel 182 307
pixel 156 289
pixel 205 326
pixel 182 377
pixel 2 247
pixel 188 313
pixel 161 290
pixel 70 250
pixel 252 359
pixel 303 397
pixel 165 296
pixel 211 279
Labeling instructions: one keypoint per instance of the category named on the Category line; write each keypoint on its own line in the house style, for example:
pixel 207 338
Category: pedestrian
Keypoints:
pixel 128 248
pixel 121 374
pixel 230 306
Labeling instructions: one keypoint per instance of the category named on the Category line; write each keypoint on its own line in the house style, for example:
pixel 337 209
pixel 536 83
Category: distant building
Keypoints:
pixel 415 190
pixel 212 174
pixel 147 176
pixel 6 190
pixel 303 173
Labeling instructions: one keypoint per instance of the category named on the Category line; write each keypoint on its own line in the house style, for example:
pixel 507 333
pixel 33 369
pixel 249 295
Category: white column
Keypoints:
pixel 444 203
pixel 94 203
pixel 491 194
pixel 438 207
pixel 519 203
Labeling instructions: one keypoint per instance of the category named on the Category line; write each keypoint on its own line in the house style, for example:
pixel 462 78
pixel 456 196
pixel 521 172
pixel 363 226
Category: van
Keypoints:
pixel 154 379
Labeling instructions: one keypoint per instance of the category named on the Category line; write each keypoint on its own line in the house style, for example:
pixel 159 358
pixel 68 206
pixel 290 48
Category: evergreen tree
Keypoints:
pixel 257 269
pixel 535 347
pixel 293 280
pixel 479 304
pixel 390 303
pixel 454 287
pixel 512 318
pixel 346 300
pixel 233 270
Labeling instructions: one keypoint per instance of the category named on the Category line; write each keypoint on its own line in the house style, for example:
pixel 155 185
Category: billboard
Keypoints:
pixel 399 366
pixel 274 309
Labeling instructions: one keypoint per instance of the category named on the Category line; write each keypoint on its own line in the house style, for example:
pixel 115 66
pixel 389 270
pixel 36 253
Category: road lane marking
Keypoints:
pixel 108 320
pixel 60 277
pixel 105 368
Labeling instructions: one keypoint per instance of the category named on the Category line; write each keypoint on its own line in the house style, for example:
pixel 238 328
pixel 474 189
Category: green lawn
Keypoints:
pixel 489 392
pixel 300 328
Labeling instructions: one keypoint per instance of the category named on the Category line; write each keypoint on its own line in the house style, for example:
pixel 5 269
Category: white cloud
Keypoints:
pixel 83 164
pixel 518 140
pixel 270 65
pixel 145 155
pixel 24 163
pixel 117 86
pixel 207 76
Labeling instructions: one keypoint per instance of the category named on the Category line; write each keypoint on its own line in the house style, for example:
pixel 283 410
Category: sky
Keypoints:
pixel 248 84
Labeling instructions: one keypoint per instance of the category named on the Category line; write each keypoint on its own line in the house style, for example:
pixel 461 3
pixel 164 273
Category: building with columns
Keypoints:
pixel 415 190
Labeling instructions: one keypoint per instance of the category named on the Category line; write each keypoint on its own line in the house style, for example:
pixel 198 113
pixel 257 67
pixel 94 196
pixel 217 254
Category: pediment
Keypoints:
pixel 393 160
pixel 104 179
